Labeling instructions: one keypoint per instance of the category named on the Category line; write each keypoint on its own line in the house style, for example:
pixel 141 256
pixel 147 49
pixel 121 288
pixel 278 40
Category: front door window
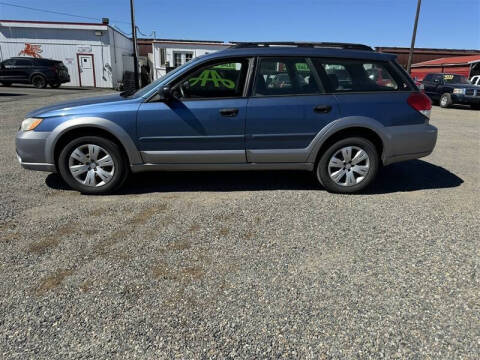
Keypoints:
pixel 220 80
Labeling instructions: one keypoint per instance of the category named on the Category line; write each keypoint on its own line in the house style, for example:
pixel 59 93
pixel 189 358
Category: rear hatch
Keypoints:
pixel 61 69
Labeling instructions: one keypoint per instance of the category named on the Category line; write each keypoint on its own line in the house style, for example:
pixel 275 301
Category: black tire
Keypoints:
pixel 39 81
pixel 321 169
pixel 120 164
pixel 6 83
pixel 445 100
pixel 55 85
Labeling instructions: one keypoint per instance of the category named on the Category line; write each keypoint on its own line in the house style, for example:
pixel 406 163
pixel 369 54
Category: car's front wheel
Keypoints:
pixel 445 100
pixel 92 165
pixel 348 165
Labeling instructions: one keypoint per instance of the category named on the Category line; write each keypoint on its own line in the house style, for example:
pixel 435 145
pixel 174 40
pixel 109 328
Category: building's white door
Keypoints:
pixel 86 69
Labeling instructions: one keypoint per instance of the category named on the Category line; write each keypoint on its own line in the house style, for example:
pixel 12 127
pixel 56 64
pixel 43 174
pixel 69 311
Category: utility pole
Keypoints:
pixel 134 38
pixel 414 35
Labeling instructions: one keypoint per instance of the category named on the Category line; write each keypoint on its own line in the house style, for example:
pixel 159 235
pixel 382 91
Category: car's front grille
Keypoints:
pixel 470 92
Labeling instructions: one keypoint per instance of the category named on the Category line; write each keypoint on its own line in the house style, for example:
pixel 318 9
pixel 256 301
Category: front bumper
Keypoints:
pixel 409 142
pixel 465 99
pixel 30 147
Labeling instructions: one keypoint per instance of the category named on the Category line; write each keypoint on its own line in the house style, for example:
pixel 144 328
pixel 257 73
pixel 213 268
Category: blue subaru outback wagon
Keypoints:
pixel 338 110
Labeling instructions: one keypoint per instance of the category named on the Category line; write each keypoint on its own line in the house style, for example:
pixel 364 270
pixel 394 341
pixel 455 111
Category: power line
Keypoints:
pixel 58 12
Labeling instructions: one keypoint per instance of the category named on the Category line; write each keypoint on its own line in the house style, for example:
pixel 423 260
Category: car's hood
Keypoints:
pixel 76 106
pixel 463 86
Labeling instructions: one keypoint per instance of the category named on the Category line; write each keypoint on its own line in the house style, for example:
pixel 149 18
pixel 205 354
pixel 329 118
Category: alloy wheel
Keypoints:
pixel 349 166
pixel 91 165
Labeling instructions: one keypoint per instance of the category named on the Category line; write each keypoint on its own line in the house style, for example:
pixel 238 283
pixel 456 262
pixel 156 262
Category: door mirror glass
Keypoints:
pixel 165 93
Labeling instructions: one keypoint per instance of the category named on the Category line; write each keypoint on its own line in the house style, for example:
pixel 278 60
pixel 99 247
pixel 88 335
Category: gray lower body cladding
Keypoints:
pixel 400 143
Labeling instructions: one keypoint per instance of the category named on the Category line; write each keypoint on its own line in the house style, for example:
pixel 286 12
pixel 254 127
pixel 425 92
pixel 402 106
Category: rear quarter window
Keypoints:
pixel 349 75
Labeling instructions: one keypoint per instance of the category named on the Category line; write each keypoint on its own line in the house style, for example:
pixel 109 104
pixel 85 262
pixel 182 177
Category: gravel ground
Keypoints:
pixel 243 265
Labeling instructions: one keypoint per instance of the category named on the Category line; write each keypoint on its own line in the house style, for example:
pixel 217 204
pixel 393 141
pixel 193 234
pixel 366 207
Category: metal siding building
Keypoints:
pixel 95 54
pixel 467 66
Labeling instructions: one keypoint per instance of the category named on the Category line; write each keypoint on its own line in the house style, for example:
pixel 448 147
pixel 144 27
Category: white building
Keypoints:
pixel 168 54
pixel 96 55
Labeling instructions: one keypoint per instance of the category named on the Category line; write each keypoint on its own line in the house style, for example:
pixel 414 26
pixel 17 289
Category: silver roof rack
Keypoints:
pixel 336 45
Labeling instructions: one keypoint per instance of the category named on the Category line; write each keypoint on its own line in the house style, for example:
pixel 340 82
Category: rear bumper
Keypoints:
pixel 63 79
pixel 30 148
pixel 409 142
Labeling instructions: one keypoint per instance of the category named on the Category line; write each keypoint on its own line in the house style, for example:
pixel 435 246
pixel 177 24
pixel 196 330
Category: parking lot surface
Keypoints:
pixel 242 265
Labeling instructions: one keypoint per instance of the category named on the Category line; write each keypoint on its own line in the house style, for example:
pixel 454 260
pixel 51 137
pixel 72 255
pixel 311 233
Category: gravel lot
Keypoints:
pixel 242 265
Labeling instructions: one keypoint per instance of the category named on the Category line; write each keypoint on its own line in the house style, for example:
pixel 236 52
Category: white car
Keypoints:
pixel 475 80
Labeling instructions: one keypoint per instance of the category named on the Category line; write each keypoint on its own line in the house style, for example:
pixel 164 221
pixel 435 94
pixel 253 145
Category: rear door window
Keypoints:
pixel 23 62
pixel 284 76
pixel 358 75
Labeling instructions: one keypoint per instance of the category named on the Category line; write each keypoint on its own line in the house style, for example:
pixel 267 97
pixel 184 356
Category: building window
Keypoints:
pixel 177 59
pixel 181 57
pixel 162 56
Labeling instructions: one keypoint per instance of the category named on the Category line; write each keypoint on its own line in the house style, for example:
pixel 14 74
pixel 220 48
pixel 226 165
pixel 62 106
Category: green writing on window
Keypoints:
pixel 211 76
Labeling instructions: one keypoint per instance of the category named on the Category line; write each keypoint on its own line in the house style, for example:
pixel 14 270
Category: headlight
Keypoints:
pixel 30 124
pixel 459 91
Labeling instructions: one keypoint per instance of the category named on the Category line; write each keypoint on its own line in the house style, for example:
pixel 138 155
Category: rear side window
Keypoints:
pixel 284 76
pixel 23 62
pixel 43 62
pixel 346 75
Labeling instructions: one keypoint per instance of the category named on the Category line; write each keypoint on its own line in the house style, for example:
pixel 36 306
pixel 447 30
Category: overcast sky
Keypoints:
pixel 443 23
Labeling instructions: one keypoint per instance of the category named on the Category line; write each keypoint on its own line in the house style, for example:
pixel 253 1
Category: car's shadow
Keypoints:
pixel 406 176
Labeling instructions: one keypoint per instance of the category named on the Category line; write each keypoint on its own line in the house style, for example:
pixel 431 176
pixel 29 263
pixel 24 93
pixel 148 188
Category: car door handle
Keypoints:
pixel 229 112
pixel 322 109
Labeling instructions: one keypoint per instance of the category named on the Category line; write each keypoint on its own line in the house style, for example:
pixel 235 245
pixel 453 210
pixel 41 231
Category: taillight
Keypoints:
pixel 53 68
pixel 421 103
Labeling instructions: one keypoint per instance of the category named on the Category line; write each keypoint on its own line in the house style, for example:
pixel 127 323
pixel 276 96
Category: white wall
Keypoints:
pixel 121 55
pixel 196 49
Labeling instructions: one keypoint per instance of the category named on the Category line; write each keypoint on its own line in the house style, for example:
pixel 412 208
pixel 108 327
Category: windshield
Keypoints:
pixel 455 79
pixel 145 90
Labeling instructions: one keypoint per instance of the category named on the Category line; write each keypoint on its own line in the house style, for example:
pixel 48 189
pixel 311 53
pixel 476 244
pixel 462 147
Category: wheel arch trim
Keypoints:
pixel 92 122
pixel 344 124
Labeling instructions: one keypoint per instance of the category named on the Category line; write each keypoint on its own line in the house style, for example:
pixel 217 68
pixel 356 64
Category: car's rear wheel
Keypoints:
pixel 348 165
pixel 6 83
pixel 39 81
pixel 445 100
pixel 92 165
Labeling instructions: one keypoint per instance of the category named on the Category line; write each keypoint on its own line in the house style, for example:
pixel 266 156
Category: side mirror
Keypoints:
pixel 165 93
pixel 186 86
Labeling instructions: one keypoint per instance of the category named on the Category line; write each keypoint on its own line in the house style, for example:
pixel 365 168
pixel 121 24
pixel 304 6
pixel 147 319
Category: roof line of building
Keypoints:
pixel 189 41
pixel 407 49
pixel 53 22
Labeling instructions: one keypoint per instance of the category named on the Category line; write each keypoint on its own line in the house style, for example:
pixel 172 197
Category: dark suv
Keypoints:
pixel 39 72
pixel 316 107
pixel 449 89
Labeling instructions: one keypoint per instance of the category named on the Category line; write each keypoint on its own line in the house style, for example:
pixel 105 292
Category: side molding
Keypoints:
pixel 104 124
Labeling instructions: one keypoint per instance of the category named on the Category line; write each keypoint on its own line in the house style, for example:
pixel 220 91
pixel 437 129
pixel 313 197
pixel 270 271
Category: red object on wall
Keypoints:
pixel 31 50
